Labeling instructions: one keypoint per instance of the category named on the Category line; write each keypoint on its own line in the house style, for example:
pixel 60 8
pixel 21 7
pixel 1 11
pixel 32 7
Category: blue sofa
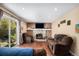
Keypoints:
pixel 16 51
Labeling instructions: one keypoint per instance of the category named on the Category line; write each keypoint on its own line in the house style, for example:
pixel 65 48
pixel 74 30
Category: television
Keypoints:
pixel 39 25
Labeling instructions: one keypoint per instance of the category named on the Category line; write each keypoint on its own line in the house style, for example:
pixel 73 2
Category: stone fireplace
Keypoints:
pixel 39 34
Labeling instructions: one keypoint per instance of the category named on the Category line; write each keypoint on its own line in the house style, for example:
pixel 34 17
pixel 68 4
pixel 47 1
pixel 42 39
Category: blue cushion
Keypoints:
pixel 16 51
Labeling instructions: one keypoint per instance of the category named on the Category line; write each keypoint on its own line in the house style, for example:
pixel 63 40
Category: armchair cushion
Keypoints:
pixel 61 50
pixel 59 37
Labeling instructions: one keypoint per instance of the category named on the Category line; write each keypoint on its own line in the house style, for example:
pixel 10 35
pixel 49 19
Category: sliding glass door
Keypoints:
pixel 8 31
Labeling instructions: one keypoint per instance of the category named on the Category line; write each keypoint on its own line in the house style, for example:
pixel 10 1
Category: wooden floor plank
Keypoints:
pixel 37 45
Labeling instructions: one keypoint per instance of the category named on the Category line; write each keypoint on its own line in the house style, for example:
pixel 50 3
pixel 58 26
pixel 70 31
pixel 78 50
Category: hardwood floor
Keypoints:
pixel 37 45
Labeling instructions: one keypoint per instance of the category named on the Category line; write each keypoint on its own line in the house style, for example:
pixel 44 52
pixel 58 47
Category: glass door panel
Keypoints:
pixel 4 38
pixel 13 33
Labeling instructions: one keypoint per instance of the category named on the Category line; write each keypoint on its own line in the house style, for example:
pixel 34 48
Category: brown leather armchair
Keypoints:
pixel 27 38
pixel 62 47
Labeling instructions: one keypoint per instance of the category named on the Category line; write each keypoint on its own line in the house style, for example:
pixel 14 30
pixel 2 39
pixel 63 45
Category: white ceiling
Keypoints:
pixel 40 12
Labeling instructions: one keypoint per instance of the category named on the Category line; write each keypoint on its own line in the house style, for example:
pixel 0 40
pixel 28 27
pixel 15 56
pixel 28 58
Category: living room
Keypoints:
pixel 40 27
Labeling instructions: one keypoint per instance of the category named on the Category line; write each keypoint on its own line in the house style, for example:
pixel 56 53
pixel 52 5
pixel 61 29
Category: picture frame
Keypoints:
pixel 69 22
pixel 77 28
pixel 58 25
pixel 64 21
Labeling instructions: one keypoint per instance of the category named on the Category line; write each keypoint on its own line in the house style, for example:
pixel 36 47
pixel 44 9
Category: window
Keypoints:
pixel 8 33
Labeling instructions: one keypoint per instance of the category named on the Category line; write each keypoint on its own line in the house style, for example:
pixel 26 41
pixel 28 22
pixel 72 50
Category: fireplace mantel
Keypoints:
pixel 39 29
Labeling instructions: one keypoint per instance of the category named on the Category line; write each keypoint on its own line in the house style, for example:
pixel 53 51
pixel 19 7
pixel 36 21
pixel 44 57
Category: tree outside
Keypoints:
pixel 4 29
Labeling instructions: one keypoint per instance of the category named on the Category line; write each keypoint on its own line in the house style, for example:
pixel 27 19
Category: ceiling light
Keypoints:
pixel 23 8
pixel 56 9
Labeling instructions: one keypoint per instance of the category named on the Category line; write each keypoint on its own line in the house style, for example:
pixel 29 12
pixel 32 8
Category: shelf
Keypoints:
pixel 39 29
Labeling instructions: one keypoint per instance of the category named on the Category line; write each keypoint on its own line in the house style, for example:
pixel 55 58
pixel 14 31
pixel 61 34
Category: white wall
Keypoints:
pixel 23 27
pixel 72 15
